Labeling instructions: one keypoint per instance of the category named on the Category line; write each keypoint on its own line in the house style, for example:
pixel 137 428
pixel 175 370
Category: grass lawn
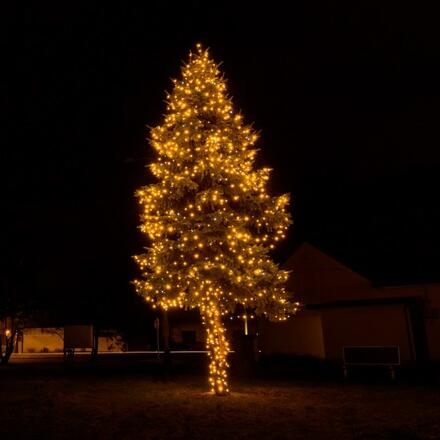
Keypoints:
pixel 83 403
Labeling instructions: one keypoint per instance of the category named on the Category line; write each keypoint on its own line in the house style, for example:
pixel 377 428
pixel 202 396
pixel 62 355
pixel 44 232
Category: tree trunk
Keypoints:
pixel 95 342
pixel 9 349
pixel 166 339
pixel 165 332
pixel 218 348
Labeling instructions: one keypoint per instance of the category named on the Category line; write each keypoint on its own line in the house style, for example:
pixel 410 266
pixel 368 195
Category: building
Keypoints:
pixel 56 339
pixel 343 308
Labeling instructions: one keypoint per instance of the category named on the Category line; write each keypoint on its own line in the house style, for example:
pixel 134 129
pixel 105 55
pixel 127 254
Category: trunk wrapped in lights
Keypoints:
pixel 218 348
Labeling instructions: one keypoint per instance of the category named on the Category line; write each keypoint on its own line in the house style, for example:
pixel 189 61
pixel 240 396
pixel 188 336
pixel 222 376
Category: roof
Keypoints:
pixel 380 269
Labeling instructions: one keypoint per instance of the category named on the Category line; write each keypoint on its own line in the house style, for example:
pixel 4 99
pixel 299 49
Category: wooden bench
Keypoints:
pixel 374 356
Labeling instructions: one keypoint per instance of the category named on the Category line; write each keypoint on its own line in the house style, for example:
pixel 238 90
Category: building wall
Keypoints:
pixel 110 343
pixel 233 328
pixel 78 336
pixel 379 325
pixel 41 340
pixel 178 341
pixel 341 295
pixel 433 321
pixel 301 335
pixel 51 340
pixel 430 295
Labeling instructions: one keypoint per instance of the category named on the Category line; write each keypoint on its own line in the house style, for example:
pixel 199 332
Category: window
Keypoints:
pixel 189 337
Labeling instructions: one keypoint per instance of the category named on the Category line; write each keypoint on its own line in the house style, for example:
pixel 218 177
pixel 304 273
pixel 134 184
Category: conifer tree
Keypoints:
pixel 210 222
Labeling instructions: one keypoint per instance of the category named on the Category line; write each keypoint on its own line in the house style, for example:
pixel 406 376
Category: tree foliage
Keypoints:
pixel 210 221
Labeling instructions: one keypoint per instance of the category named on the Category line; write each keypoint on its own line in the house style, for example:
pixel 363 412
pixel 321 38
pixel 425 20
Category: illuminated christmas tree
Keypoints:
pixel 210 221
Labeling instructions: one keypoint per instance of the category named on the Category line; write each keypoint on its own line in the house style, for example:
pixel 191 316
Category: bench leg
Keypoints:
pixel 344 371
pixel 392 373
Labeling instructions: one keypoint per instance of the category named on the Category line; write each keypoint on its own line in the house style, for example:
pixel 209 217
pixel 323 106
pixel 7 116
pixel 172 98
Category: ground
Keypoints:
pixel 99 402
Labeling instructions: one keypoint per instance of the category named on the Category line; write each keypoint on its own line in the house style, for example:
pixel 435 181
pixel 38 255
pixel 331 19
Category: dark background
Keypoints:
pixel 346 98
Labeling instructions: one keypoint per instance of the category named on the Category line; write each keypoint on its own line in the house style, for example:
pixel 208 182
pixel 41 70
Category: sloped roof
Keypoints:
pixel 317 277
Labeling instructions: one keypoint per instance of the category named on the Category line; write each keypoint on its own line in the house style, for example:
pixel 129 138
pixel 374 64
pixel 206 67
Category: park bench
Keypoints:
pixel 77 337
pixel 374 356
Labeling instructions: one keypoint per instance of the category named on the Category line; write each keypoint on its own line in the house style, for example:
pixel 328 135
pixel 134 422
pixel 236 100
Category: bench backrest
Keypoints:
pixel 371 355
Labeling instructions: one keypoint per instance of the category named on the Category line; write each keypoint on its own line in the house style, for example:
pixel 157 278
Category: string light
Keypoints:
pixel 209 219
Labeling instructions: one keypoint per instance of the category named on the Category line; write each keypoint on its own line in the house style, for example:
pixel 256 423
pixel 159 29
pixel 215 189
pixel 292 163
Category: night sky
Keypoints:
pixel 346 99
